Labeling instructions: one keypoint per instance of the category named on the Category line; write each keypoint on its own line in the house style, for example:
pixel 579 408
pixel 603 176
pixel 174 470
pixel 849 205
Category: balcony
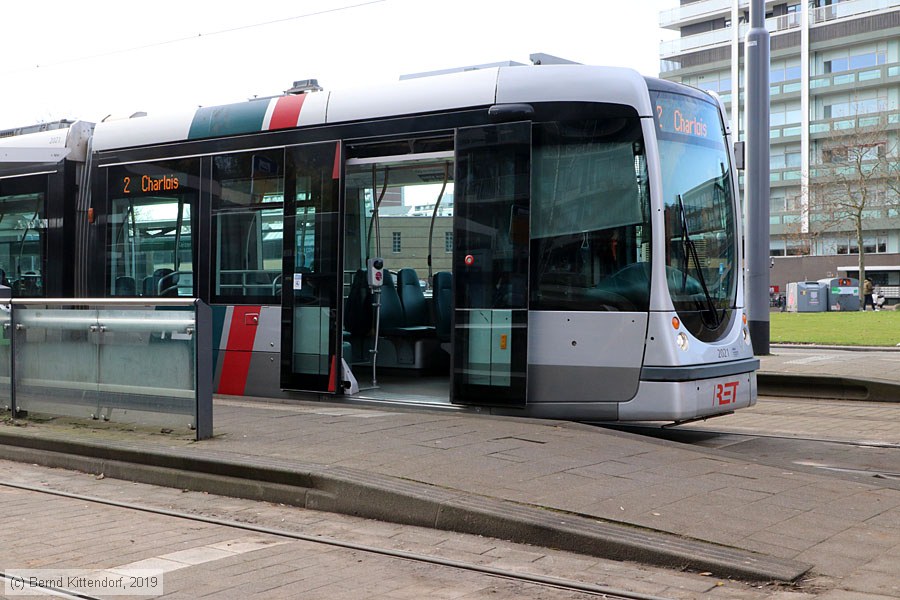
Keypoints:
pixel 849 8
pixel 695 12
pixel 718 37
pixel 707 9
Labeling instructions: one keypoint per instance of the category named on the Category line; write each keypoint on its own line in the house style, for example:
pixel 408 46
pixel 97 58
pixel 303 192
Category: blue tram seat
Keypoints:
pixel 125 286
pixel 415 308
pixel 166 282
pixel 163 282
pixel 392 318
pixel 442 297
pixel 358 308
pixel 401 346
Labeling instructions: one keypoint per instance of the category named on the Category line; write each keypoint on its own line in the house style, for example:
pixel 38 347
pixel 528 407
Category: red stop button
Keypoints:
pixel 470 260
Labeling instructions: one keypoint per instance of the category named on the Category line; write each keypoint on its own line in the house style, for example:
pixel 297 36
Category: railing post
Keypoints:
pixel 6 296
pixel 203 417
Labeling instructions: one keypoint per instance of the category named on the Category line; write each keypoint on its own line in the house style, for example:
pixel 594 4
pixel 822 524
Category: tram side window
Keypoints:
pixel 590 224
pixel 248 215
pixel 22 243
pixel 150 243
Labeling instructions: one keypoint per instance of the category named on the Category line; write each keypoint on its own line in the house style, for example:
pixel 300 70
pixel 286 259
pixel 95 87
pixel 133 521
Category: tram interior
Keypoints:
pixel 399 200
pixel 21 243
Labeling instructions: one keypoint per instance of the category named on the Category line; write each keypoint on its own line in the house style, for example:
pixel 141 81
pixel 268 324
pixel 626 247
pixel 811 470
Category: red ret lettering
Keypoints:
pixel 726 393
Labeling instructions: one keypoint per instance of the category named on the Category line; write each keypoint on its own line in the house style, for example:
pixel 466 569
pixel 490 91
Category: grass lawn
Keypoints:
pixel 869 328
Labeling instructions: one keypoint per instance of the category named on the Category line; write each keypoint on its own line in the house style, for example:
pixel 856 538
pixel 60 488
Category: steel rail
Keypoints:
pixel 540 580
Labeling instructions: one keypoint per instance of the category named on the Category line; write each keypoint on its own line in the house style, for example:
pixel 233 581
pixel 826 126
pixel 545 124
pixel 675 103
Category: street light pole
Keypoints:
pixel 756 177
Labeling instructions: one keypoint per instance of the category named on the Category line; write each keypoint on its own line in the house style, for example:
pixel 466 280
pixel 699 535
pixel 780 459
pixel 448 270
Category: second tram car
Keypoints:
pixel 558 241
pixel 42 169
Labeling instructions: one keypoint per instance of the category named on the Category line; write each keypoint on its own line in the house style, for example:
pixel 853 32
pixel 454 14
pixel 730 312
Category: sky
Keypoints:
pixel 101 59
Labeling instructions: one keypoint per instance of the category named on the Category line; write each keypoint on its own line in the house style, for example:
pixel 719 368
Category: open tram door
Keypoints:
pixel 311 286
pixel 490 265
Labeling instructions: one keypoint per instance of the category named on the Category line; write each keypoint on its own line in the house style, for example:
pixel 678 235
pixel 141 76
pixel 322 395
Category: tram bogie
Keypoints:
pixel 554 241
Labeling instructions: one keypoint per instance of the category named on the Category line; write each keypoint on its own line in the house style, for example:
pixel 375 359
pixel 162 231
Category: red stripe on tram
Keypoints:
pixel 332 375
pixel 287 111
pixel 238 350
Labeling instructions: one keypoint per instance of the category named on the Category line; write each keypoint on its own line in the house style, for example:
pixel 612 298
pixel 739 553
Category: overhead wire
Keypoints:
pixel 191 37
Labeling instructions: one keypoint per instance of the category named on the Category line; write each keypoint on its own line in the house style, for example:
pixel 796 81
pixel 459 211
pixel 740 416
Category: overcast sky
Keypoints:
pixel 87 60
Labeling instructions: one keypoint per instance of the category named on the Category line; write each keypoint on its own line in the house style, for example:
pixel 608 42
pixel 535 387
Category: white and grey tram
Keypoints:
pixel 555 241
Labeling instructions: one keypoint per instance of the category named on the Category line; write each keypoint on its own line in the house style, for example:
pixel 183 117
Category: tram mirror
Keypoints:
pixel 739 155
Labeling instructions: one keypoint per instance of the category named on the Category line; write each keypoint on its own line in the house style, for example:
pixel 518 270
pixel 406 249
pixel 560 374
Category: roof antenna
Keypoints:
pixel 539 58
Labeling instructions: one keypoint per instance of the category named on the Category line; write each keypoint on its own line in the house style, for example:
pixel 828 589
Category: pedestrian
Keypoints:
pixel 868 289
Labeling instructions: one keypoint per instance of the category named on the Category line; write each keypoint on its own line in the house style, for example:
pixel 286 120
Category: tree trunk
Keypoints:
pixel 862 260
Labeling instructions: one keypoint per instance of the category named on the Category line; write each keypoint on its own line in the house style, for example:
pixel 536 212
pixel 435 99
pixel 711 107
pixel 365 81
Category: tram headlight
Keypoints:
pixel 746 336
pixel 682 340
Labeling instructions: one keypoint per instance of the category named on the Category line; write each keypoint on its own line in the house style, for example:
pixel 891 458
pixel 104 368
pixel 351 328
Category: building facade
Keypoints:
pixel 835 102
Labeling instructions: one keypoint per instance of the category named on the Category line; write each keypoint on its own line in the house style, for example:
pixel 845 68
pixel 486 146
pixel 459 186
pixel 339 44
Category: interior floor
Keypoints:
pixel 403 389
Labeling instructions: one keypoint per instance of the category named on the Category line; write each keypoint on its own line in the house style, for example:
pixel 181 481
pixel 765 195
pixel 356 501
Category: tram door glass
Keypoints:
pixel 490 264
pixel 23 228
pixel 150 243
pixel 248 208
pixel 311 355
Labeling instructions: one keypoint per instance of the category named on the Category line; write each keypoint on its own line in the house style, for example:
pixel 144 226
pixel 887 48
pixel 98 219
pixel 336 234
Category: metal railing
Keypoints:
pixel 145 361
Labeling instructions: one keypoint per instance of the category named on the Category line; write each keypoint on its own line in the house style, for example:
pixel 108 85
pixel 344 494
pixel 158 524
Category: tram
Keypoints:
pixel 42 169
pixel 558 241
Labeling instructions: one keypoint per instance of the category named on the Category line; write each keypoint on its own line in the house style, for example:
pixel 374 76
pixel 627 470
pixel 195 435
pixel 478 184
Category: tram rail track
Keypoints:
pixel 524 578
pixel 731 432
pixel 700 436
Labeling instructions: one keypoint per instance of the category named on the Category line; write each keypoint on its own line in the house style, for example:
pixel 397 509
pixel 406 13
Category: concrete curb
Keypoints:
pixel 827 387
pixel 353 492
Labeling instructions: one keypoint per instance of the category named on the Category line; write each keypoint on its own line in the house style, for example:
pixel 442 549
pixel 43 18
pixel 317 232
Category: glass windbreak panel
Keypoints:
pixel 701 245
pixel 23 243
pixel 134 365
pixel 590 226
pixel 248 217
pixel 150 250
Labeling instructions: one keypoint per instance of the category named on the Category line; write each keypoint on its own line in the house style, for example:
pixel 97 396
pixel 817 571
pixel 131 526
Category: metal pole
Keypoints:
pixel 756 177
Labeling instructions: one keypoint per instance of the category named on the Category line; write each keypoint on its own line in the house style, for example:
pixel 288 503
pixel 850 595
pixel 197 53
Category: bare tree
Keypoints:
pixel 855 174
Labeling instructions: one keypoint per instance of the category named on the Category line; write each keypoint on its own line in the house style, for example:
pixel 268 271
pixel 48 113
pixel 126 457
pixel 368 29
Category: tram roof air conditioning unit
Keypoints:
pixel 304 86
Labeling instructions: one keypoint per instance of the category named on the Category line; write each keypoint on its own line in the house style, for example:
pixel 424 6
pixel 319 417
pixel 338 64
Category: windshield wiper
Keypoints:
pixel 690 250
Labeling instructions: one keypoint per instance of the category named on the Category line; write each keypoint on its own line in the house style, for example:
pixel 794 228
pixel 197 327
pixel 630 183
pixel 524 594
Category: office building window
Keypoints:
pixel 396 245
pixel 856 60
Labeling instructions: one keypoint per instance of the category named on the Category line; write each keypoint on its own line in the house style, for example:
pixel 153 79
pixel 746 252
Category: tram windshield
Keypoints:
pixel 701 247
pixel 22 228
